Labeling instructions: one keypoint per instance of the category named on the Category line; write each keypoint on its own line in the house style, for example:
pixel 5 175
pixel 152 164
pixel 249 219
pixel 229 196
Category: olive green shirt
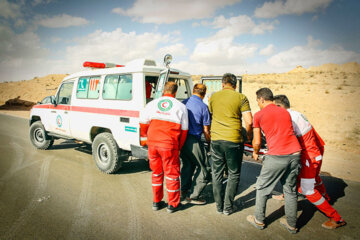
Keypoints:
pixel 226 107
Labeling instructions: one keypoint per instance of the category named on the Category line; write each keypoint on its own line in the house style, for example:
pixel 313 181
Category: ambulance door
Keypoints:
pixel 59 114
pixel 184 88
pixel 163 78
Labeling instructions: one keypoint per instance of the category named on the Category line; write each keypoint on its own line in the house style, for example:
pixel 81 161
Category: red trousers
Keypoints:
pixel 165 162
pixel 311 185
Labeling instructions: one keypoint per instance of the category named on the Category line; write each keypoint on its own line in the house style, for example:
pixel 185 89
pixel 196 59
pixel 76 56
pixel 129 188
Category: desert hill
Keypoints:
pixel 33 90
pixel 326 94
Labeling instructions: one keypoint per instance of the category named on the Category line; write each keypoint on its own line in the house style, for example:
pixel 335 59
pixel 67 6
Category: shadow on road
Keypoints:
pixel 67 144
pixel 129 166
pixel 335 187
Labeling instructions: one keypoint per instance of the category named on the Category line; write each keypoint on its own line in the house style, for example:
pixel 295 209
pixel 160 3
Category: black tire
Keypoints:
pixel 38 136
pixel 106 153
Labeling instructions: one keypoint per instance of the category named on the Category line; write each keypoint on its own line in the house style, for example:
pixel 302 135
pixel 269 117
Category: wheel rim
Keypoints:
pixel 103 153
pixel 39 135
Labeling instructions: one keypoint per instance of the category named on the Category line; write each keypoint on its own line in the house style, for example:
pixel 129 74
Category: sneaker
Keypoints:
pixel 284 223
pixel 227 212
pixel 158 205
pixel 195 201
pixel 278 197
pixel 171 209
pixel 332 224
pixel 251 219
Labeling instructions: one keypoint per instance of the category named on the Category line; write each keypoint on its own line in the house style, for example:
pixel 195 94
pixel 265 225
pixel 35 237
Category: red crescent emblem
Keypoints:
pixel 164 104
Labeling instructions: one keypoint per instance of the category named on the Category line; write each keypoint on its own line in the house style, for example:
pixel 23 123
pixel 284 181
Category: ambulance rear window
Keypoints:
pixel 118 87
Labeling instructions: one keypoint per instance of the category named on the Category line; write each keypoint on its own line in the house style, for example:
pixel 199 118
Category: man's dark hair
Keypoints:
pixel 170 87
pixel 229 78
pixel 265 93
pixel 282 99
pixel 200 89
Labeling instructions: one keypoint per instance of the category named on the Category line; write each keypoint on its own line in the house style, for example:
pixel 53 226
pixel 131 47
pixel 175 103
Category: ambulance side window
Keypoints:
pixel 183 89
pixel 118 87
pixel 88 87
pixel 64 94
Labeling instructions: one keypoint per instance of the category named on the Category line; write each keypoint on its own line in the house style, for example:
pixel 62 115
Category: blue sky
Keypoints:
pixel 39 37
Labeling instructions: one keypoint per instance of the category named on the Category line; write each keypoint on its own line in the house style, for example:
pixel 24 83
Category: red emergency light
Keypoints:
pixel 101 65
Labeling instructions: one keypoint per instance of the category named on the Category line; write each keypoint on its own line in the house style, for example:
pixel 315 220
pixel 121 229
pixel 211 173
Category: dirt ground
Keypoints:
pixel 327 95
pixel 61 194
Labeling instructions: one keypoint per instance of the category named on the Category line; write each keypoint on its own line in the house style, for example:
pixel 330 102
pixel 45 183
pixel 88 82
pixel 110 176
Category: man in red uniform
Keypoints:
pixel 309 181
pixel 164 126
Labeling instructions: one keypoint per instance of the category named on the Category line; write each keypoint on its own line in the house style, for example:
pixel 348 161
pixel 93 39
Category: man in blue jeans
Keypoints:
pixel 194 175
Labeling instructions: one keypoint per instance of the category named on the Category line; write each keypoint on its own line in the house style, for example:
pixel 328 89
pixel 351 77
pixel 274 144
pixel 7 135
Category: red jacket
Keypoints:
pixel 311 143
pixel 164 123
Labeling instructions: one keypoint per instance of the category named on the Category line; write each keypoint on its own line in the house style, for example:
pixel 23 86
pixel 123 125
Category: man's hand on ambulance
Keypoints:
pixel 255 156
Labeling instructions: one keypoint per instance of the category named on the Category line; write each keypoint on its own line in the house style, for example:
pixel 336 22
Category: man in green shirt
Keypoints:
pixel 228 107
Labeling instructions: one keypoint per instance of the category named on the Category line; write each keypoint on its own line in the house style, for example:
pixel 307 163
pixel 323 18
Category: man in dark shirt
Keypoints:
pixel 194 175
pixel 282 161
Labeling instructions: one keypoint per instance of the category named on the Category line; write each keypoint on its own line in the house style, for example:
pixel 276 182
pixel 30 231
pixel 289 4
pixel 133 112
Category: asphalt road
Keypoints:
pixel 60 194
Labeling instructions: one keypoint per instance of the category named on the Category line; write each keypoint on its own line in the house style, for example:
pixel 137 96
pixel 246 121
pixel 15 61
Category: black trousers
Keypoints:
pixel 226 155
pixel 194 175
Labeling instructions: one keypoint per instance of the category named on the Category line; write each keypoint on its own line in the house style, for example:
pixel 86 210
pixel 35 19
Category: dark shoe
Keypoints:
pixel 183 195
pixel 251 219
pixel 227 212
pixel 195 201
pixel 284 223
pixel 332 224
pixel 171 209
pixel 158 205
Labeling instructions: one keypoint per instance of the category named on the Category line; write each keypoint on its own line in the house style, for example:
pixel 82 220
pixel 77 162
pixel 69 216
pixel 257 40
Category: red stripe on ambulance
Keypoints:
pixel 116 112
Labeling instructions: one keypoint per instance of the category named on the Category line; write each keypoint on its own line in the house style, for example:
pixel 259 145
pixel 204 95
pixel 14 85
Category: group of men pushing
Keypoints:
pixel 172 129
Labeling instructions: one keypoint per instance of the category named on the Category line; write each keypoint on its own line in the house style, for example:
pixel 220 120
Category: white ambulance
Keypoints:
pixel 101 107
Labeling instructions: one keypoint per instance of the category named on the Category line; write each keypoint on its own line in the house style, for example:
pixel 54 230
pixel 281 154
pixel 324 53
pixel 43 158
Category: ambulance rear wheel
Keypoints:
pixel 38 136
pixel 106 153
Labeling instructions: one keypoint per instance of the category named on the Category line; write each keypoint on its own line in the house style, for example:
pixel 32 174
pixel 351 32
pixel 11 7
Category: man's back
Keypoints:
pixel 198 115
pixel 167 118
pixel 310 141
pixel 276 124
pixel 227 107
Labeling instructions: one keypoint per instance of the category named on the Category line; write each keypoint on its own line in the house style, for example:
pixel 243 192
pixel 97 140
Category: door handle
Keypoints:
pixel 53 111
pixel 66 112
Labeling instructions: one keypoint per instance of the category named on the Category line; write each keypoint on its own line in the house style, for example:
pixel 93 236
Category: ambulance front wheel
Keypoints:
pixel 106 153
pixel 38 136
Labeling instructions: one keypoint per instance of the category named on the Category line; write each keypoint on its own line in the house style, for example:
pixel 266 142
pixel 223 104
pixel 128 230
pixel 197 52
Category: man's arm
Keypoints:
pixel 184 128
pixel 256 143
pixel 144 126
pixel 207 133
pixel 248 119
